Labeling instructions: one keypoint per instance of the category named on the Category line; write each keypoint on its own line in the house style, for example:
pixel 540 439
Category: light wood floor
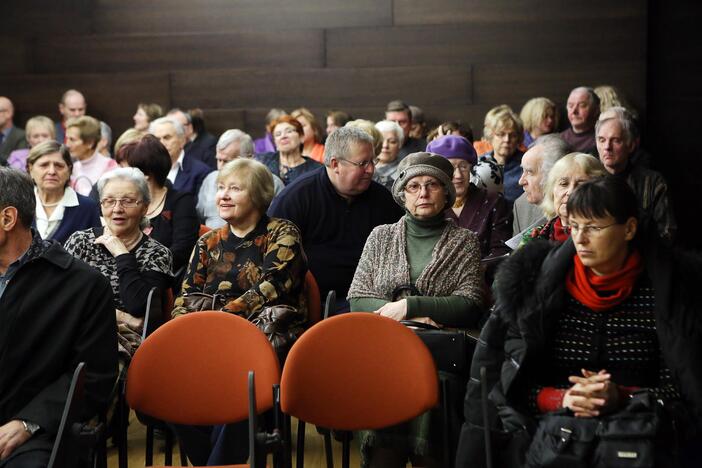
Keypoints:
pixel 314 448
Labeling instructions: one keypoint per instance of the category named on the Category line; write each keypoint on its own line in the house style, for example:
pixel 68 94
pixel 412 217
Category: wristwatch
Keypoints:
pixel 30 427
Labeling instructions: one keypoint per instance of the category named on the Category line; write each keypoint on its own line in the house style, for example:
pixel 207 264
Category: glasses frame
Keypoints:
pixel 120 201
pixel 426 186
pixel 362 165
pixel 588 230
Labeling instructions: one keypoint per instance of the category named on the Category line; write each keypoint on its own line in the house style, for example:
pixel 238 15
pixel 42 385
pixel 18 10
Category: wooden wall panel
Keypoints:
pixel 513 41
pixel 45 17
pixel 219 120
pixel 340 88
pixel 111 97
pixel 173 16
pixel 14 57
pixel 407 12
pixel 515 84
pixel 139 53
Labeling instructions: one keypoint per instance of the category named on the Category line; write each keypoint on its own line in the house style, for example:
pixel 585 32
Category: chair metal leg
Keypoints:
pixel 328 451
pixel 149 460
pixel 300 444
pixel 444 403
pixel 122 452
pixel 346 450
pixel 168 456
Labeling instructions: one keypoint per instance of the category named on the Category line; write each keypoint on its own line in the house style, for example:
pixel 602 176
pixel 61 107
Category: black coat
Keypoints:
pixel 530 292
pixel 55 312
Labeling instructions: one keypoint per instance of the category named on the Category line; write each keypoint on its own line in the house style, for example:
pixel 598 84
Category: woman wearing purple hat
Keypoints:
pixel 486 214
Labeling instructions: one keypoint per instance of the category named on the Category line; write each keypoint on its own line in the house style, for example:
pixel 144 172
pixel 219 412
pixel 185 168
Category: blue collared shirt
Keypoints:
pixel 11 270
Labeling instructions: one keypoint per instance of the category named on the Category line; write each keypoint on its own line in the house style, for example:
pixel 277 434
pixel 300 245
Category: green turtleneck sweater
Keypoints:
pixel 422 236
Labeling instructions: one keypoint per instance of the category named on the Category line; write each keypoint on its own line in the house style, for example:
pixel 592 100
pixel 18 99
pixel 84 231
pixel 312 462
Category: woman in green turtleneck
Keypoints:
pixel 425 268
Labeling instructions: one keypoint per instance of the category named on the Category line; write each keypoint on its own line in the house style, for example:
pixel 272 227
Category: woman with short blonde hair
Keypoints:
pixel 540 117
pixel 38 130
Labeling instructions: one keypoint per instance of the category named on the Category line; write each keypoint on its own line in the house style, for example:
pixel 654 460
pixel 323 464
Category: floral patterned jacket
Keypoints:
pixel 267 267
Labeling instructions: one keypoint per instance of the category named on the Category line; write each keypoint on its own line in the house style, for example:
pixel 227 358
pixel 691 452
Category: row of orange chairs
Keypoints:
pixel 350 372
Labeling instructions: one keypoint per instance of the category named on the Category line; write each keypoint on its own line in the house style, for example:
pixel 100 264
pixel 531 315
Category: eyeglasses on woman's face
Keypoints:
pixel 588 230
pixel 415 187
pixel 110 202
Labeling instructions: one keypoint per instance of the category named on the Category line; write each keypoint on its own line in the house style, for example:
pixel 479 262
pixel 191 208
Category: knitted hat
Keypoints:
pixel 454 147
pixel 424 164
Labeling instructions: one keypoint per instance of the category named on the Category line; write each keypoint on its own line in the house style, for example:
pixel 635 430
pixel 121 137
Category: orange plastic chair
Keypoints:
pixel 203 359
pixel 314 300
pixel 358 371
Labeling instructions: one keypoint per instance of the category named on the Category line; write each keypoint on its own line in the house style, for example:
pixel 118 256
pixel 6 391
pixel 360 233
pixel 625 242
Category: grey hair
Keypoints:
pixel 175 110
pixel 17 190
pixel 626 120
pixel 246 146
pixel 590 165
pixel 553 148
pixel 106 133
pixel 130 174
pixel 168 120
pixel 592 95
pixel 136 177
pixel 391 126
pixel 338 145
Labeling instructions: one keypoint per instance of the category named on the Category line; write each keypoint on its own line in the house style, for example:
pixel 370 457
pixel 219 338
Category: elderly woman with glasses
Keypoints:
pixel 132 261
pixel 423 268
pixel 564 177
pixel 583 326
pixel 288 161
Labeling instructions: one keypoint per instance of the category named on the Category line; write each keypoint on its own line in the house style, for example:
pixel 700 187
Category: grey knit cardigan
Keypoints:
pixel 454 269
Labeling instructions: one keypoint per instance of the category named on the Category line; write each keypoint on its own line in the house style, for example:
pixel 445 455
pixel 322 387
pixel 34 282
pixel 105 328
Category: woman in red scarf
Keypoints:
pixel 581 326
pixel 564 177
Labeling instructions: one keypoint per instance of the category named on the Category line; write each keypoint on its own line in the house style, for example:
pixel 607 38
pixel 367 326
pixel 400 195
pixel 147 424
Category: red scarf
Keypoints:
pixel 584 285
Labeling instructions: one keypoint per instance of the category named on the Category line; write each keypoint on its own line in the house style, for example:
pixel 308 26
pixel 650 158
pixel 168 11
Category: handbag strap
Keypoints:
pixel 422 325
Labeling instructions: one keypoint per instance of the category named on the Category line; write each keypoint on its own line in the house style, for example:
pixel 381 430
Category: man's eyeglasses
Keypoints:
pixel 588 230
pixel 125 202
pixel 414 187
pixel 362 165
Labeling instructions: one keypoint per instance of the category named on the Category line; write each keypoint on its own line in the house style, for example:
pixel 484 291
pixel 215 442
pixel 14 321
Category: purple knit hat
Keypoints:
pixel 453 147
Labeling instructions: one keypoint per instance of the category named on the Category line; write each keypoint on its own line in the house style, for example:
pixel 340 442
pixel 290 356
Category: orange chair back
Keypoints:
pixel 314 300
pixel 194 370
pixel 358 371
pixel 204 229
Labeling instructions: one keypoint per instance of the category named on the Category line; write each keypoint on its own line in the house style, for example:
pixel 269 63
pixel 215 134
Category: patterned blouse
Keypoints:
pixel 267 267
pixel 131 275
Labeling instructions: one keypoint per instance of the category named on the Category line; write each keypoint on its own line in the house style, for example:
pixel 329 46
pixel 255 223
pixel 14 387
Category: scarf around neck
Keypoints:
pixel 588 288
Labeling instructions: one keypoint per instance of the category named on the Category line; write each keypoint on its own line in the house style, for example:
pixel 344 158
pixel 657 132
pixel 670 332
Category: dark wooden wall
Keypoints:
pixel 237 58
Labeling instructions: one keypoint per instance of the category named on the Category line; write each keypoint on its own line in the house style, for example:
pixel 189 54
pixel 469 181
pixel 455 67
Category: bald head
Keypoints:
pixel 72 105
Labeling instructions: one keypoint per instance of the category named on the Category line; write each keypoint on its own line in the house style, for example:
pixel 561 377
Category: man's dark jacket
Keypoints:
pixel 530 293
pixel 55 312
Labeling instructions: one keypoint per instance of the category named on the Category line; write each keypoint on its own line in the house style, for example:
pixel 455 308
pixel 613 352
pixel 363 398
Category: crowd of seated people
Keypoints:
pixel 396 217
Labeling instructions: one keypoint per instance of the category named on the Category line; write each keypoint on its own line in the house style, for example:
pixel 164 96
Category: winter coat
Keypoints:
pixel 530 293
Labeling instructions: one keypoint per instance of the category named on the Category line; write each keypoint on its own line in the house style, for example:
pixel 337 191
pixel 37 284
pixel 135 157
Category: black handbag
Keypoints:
pixel 627 438
pixel 452 349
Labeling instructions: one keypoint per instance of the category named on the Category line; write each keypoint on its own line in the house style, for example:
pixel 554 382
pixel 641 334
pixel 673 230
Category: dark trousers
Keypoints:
pixel 29 459
pixel 215 445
